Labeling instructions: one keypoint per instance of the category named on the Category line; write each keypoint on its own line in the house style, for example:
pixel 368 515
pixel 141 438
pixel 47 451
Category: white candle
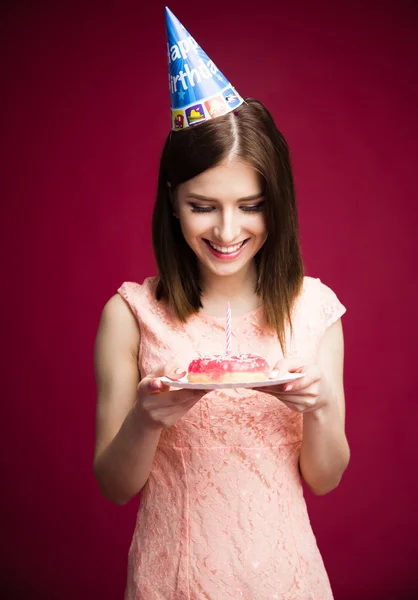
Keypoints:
pixel 228 329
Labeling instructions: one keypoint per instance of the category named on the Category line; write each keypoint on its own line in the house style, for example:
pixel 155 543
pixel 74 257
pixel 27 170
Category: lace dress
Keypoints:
pixel 222 515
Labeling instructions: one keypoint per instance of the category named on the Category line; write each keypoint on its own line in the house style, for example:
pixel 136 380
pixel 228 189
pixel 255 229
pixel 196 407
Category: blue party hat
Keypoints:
pixel 198 90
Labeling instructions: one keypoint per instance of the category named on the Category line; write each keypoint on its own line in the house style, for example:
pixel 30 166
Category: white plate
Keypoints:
pixel 183 383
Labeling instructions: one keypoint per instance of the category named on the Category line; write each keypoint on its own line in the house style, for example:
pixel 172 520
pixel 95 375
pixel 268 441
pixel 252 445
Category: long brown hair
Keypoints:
pixel 253 136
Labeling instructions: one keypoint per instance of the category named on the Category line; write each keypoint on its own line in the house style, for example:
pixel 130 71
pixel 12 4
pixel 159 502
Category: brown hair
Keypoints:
pixel 251 132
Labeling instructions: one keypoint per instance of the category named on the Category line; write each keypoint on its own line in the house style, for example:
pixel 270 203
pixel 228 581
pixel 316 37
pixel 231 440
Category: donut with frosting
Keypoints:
pixel 228 368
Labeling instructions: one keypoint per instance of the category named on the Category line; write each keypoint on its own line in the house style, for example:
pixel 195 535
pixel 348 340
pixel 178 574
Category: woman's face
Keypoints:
pixel 222 218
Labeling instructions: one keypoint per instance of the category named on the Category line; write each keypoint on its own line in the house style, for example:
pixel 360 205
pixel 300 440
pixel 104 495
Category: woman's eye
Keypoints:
pixel 201 209
pixel 254 208
pixel 197 208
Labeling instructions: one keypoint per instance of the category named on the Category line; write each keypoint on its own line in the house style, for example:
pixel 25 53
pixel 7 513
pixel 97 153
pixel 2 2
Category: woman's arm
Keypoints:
pixel 125 444
pixel 325 452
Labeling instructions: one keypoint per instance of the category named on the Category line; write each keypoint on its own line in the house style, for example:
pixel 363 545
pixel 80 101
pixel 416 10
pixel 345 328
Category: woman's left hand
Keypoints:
pixel 300 395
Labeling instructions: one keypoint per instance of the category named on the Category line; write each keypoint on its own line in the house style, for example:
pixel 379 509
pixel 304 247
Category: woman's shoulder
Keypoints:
pixel 320 301
pixel 134 292
pixel 314 285
pixel 138 296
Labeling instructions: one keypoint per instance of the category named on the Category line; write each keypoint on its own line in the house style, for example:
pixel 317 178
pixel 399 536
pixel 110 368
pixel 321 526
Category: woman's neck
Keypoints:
pixel 238 290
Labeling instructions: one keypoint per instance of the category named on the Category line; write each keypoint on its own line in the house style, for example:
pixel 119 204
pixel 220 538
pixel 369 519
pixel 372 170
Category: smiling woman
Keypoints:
pixel 224 228
pixel 223 183
pixel 222 513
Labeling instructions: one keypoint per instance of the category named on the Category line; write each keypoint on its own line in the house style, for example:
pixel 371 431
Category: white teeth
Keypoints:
pixel 226 249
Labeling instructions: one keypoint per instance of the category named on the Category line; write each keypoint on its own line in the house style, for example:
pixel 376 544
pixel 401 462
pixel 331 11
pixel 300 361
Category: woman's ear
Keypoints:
pixel 171 195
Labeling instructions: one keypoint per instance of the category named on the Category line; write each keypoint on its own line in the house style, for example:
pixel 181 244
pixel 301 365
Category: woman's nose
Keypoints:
pixel 228 229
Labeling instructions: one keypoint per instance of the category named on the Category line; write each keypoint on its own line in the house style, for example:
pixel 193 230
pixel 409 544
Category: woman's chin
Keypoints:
pixel 225 270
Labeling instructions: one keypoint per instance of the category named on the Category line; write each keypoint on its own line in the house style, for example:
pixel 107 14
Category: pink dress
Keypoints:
pixel 222 515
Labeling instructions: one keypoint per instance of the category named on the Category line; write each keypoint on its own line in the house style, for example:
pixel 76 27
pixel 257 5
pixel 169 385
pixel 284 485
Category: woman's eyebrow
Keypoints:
pixel 253 197
pixel 200 197
pixel 244 199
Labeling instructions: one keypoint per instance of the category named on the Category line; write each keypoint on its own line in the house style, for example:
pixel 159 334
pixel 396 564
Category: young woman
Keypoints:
pixel 222 511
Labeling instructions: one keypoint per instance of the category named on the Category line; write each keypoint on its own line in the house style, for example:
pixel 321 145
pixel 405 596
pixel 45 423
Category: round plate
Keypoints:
pixel 184 384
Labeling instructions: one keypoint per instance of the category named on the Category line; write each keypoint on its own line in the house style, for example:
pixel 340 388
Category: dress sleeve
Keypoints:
pixel 330 308
pixel 131 292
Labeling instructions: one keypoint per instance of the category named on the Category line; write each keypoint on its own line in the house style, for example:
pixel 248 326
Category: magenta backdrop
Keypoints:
pixel 85 117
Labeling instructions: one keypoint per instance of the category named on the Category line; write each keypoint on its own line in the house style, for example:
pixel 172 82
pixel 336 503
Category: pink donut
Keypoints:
pixel 226 368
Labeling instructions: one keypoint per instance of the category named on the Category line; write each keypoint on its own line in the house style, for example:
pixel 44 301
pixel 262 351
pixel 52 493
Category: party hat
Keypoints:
pixel 198 90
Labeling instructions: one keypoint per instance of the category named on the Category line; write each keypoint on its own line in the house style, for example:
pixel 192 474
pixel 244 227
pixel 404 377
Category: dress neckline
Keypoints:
pixel 247 315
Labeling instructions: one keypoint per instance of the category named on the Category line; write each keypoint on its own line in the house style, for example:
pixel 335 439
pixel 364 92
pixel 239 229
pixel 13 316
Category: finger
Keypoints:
pixel 192 401
pixel 306 403
pixel 188 395
pixel 293 397
pixel 300 408
pixel 303 404
pixel 288 365
pixel 278 391
pixel 181 397
pixel 296 403
pixel 299 403
pixel 175 373
pixel 280 388
pixel 310 382
pixel 167 412
pixel 171 399
pixel 171 370
pixel 150 385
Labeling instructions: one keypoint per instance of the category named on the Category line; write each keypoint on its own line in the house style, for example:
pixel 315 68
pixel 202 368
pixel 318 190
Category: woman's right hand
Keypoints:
pixel 158 406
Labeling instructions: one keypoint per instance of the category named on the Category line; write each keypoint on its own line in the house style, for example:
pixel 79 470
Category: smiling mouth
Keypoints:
pixel 226 249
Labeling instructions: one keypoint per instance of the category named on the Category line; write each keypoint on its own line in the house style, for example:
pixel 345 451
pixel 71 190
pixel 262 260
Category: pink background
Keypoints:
pixel 84 120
